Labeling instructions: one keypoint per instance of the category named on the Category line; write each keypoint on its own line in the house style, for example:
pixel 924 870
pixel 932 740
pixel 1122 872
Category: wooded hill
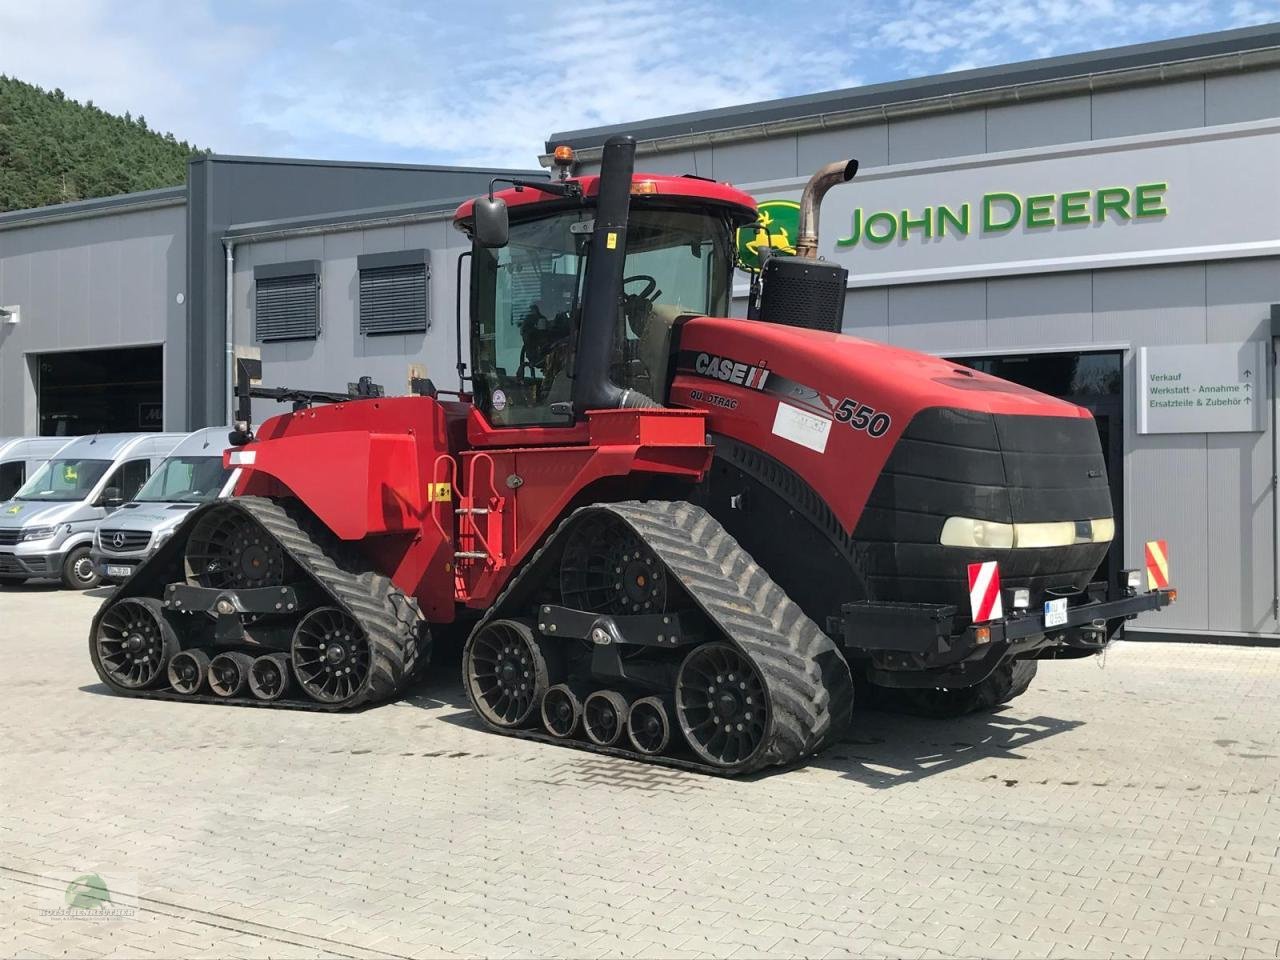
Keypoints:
pixel 54 150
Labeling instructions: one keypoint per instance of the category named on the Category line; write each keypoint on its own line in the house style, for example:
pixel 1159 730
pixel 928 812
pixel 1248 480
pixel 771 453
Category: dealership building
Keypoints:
pixel 1104 227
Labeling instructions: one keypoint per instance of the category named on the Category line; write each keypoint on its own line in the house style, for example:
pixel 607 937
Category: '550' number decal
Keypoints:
pixel 862 417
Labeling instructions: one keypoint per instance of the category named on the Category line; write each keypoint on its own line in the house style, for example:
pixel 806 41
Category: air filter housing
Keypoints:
pixel 800 292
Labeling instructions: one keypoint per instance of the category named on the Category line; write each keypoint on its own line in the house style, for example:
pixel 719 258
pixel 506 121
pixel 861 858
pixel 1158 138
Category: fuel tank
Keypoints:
pixel 908 467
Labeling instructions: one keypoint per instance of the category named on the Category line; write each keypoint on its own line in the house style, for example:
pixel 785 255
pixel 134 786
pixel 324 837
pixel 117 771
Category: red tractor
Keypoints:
pixel 670 534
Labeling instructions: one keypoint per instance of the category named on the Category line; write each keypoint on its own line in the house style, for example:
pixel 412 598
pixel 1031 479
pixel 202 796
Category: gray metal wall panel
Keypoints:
pixel 697 162
pixel 943 135
pixel 939 317
pixel 759 160
pixel 1040 312
pixel 1235 98
pixel 1167 106
pixel 868 145
pixel 1038 123
pixel 226 191
pixel 104 281
pixel 1150 305
pixel 866 313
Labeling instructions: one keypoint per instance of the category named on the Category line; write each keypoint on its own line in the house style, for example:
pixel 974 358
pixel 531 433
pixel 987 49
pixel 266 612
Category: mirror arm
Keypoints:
pixel 558 188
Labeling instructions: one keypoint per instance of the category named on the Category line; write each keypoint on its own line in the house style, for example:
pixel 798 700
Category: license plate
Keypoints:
pixel 114 571
pixel 1055 612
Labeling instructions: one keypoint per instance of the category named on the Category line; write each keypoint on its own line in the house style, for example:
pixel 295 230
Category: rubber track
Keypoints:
pixel 392 621
pixel 807 678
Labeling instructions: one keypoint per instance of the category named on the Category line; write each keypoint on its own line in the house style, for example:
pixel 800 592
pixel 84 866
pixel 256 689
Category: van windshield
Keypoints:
pixel 185 480
pixel 63 480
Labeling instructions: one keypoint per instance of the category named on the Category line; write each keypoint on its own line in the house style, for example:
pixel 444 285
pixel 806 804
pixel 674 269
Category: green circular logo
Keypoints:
pixel 779 222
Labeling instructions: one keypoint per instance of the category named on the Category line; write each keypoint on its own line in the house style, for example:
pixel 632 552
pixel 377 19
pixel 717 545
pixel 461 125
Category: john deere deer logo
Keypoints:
pixel 87 893
pixel 778 223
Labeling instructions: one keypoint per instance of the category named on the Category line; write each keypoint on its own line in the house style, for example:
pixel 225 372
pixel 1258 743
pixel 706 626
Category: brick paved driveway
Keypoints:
pixel 1120 809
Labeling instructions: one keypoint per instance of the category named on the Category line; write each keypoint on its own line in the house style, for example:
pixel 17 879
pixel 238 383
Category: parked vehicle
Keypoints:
pixel 191 475
pixel 20 457
pixel 46 528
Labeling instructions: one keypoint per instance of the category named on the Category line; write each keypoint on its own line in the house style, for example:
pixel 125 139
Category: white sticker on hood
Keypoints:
pixel 792 423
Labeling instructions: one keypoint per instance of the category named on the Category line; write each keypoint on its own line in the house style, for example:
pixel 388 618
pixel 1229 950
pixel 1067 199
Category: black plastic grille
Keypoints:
pixel 10 537
pixel 124 541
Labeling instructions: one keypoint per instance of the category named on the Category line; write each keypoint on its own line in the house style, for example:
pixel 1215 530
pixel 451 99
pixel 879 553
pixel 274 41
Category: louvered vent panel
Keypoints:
pixel 393 299
pixel 287 308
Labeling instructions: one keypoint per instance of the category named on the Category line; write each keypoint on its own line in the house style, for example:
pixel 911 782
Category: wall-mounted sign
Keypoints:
pixel 1194 195
pixel 150 415
pixel 1202 388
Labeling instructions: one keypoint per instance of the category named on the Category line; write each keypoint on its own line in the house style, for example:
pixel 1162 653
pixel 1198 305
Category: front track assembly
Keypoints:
pixel 253 602
pixel 643 630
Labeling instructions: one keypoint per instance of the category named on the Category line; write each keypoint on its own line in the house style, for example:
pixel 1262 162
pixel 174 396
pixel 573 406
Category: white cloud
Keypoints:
pixel 486 81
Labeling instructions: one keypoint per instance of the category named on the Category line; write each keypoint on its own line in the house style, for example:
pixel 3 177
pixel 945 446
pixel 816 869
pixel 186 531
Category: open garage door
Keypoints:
pixel 100 391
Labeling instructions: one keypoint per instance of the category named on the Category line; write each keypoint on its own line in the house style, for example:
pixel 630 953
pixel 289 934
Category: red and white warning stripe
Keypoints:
pixel 984 591
pixel 1157 557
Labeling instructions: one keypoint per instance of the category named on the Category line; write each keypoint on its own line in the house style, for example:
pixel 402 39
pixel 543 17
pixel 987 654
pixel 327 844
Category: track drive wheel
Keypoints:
pixel 721 705
pixel 608 568
pixel 133 643
pixel 229 551
pixel 504 673
pixel 187 671
pixel 331 655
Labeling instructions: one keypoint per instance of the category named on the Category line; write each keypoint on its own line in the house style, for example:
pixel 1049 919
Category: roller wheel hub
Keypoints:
pixel 331 655
pixel 722 705
pixel 505 673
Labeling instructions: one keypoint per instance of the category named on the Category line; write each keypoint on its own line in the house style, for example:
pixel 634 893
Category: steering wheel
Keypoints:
pixel 638 307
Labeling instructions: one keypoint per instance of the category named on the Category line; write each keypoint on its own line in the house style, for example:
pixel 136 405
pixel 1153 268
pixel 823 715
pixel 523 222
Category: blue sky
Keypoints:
pixel 485 81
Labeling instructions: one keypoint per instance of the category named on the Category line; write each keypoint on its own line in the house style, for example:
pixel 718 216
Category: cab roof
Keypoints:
pixel 741 206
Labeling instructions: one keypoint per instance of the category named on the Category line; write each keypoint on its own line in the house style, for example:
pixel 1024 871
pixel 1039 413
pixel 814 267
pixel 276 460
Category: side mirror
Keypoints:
pixel 492 223
pixel 111 498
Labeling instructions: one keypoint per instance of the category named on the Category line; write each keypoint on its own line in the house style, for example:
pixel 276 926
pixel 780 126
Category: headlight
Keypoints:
pixel 987 534
pixel 38 533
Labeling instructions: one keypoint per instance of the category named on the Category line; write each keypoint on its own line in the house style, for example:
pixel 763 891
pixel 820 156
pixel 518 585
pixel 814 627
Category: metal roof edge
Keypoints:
pixel 94 207
pixel 1054 76
pixel 358 219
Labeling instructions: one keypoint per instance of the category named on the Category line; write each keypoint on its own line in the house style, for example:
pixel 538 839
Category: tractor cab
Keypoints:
pixel 535 246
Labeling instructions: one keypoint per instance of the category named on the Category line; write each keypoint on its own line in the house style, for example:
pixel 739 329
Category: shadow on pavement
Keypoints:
pixel 885 750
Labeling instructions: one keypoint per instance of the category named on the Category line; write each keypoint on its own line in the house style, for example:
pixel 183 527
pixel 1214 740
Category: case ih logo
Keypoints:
pixel 730 371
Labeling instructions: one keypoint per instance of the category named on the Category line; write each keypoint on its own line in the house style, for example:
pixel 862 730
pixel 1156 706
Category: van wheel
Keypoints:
pixel 77 570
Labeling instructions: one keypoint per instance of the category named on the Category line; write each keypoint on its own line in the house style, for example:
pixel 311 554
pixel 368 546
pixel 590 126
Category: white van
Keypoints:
pixel 20 457
pixel 191 475
pixel 46 528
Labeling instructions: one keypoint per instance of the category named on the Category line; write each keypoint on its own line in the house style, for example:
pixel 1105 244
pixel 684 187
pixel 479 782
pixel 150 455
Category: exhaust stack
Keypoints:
pixel 833 174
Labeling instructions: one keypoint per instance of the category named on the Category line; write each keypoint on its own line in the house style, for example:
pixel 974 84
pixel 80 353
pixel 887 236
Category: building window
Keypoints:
pixel 394 293
pixel 286 301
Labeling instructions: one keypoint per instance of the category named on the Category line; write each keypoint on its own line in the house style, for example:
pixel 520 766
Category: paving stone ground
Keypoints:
pixel 1121 808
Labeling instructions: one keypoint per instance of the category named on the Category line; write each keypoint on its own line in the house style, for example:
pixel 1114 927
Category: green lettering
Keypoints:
pixel 1073 207
pixel 1148 199
pixel 882 217
pixel 1040 210
pixel 989 202
pixel 855 232
pixel 1115 199
pixel 961 223
pixel 925 223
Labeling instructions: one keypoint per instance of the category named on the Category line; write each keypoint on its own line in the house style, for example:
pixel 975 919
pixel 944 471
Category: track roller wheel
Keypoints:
pixel 561 711
pixel 721 705
pixel 505 673
pixel 133 644
pixel 229 551
pixel 604 716
pixel 331 655
pixel 187 671
pixel 649 726
pixel 269 676
pixel 229 673
pixel 608 568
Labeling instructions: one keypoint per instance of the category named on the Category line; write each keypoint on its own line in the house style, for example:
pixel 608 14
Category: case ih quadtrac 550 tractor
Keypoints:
pixel 674 535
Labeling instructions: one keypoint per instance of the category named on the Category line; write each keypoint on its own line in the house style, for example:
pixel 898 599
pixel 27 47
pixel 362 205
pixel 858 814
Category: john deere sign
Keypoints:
pixel 1000 211
pixel 1193 195
pixel 779 220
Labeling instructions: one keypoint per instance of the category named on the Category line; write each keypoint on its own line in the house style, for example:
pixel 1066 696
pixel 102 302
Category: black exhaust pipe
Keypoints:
pixel 602 287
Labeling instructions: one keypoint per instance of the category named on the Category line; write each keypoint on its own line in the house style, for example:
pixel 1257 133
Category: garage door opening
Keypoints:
pixel 100 391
